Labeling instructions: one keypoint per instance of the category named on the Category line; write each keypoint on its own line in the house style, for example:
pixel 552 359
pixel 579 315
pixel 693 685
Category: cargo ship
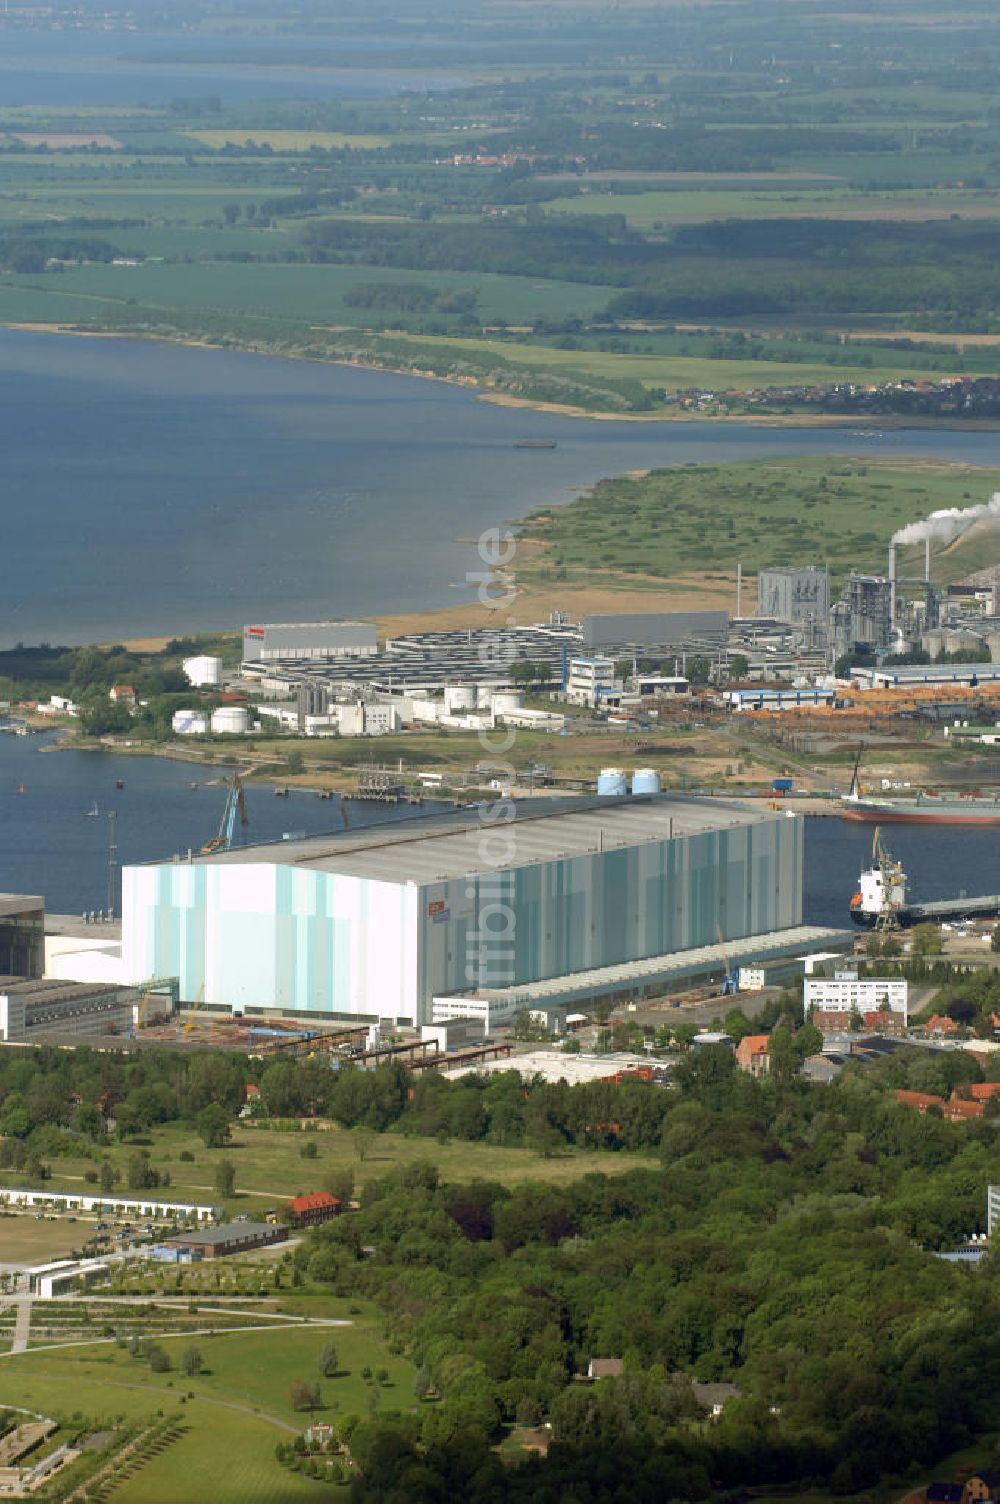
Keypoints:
pixel 920 808
pixel 880 900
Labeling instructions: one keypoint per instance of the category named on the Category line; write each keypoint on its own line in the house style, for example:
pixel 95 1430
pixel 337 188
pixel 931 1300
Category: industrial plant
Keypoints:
pixel 381 923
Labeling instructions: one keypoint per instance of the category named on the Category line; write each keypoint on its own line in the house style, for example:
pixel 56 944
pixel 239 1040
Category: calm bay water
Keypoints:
pixel 50 845
pixel 150 489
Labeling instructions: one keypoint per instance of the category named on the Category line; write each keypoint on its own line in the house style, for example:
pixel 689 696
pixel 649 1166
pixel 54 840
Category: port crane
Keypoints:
pixel 730 976
pixel 236 804
pixel 140 1012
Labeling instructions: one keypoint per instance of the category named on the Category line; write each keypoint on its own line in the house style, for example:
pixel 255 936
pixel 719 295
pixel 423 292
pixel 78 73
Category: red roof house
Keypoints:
pixel 315 1206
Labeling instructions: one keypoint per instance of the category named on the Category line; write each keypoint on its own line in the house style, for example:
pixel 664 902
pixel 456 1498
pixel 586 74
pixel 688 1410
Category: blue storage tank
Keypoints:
pixel 612 782
pixel 646 781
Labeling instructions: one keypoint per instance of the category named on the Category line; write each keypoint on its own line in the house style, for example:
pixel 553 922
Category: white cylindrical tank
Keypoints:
pixel 484 695
pixel 645 781
pixel 507 701
pixel 612 781
pixel 204 672
pixel 189 722
pixel 230 720
pixel 459 697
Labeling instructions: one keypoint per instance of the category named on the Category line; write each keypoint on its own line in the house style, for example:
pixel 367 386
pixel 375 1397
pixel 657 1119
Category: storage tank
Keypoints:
pixel 459 698
pixel 645 781
pixel 612 781
pixel 507 701
pixel 230 720
pixel 204 672
pixel 189 722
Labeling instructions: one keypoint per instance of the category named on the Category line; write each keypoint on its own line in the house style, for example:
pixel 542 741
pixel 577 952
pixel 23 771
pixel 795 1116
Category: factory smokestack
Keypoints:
pixel 892 583
pixel 927 558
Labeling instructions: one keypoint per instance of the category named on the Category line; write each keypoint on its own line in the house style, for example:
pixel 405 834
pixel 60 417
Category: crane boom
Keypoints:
pixel 235 804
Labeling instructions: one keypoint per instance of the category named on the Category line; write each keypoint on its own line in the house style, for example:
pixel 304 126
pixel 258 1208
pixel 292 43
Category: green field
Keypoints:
pixel 287 141
pixel 674 372
pixel 270 1167
pixel 23 1240
pixel 689 206
pixel 234 1411
pixel 684 519
pixel 290 293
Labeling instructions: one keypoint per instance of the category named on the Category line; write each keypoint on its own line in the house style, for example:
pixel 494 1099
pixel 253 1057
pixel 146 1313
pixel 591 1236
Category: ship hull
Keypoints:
pixel 884 814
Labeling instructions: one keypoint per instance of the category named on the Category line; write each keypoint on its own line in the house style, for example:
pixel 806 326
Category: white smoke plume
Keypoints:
pixel 949 523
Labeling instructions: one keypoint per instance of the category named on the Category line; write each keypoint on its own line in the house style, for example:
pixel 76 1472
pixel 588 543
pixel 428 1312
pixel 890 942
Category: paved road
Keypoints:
pixel 22 1327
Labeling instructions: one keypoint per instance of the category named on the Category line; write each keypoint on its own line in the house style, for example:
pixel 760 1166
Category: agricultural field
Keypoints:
pixel 548 196
pixel 674 372
pixel 658 209
pixel 292 294
pixel 288 141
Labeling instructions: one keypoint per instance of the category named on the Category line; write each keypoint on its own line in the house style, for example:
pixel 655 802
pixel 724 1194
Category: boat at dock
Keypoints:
pixel 924 809
pixel 881 899
pixel 919 808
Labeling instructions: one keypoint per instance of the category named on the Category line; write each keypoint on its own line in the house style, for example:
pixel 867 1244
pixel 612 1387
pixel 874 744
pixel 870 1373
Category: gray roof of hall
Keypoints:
pixel 434 848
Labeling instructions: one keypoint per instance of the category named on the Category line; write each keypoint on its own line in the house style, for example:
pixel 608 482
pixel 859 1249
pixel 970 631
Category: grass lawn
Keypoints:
pixel 270 1168
pixel 238 1398
pixel 25 1241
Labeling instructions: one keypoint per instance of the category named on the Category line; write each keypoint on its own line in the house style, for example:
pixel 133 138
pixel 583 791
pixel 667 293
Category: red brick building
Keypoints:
pixel 315 1206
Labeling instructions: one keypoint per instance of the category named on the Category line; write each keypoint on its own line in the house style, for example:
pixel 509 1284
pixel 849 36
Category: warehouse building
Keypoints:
pixel 665 629
pixel 222 1241
pixel 309 639
pixel 34 1011
pixel 22 935
pixel 378 923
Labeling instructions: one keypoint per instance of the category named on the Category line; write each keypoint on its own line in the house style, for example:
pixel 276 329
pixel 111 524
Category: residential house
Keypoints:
pixel 983 1091
pixel 982 1487
pixel 752 1054
pixel 831 1020
pixel 921 1101
pixel 319 1434
pixel 123 694
pixel 713 1397
pixel 821 1068
pixel 885 1021
pixel 316 1206
pixel 605 1368
pixel 960 1110
pixel 940 1026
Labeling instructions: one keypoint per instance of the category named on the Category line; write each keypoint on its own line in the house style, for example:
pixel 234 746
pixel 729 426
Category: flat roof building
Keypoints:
pixel 309 639
pixel 228 1238
pixel 22 935
pixel 377 923
pixel 40 1010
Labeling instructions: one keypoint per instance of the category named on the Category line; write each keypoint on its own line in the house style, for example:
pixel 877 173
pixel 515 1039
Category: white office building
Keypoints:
pixel 848 993
pixel 589 680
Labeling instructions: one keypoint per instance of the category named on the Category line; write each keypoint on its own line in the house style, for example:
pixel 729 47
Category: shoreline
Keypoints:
pixel 878 423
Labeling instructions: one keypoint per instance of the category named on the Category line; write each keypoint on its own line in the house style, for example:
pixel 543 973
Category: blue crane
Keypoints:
pixel 235 804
